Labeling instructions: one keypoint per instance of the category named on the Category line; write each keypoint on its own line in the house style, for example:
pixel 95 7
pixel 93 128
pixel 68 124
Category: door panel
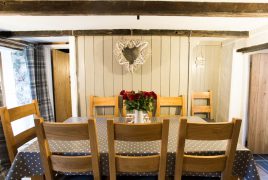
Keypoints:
pixel 258 105
pixel 61 84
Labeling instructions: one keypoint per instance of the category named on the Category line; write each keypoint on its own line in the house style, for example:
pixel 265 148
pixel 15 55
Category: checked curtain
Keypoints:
pixel 38 81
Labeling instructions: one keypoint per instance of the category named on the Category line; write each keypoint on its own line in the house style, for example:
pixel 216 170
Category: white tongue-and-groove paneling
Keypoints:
pixel 165 70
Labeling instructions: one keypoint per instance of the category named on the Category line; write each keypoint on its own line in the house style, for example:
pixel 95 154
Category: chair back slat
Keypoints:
pixel 22 111
pixel 25 136
pixel 137 164
pixel 137 132
pixel 171 102
pixel 102 102
pixel 209 131
pixel 201 109
pixel 66 132
pixel 204 163
pixel 71 163
pixel 201 95
pixel 13 114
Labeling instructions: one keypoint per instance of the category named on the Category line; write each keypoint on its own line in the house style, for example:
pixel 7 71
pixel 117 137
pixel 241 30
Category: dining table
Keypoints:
pixel 28 163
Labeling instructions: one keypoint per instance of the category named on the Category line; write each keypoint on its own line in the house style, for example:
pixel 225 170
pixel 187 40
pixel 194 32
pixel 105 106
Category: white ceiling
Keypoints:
pixel 26 23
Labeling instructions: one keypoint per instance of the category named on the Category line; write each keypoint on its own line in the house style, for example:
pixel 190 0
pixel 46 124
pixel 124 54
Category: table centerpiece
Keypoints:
pixel 139 102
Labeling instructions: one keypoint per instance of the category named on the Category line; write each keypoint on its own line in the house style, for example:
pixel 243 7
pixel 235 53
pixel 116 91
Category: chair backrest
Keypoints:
pixel 137 132
pixel 207 131
pixel 102 102
pixel 207 109
pixel 67 132
pixel 171 102
pixel 4 158
pixel 13 114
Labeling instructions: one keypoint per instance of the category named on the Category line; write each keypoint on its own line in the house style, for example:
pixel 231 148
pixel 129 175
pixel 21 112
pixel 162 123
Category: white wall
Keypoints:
pixel 165 70
pixel 239 77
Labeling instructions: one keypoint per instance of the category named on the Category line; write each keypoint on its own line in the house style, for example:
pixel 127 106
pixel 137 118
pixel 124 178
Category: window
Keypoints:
pixel 16 82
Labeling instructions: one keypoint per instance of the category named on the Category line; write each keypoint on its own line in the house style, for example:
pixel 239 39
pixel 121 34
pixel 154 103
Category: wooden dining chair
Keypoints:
pixel 10 115
pixel 67 132
pixel 171 102
pixel 202 109
pixel 95 102
pixel 137 133
pixel 207 131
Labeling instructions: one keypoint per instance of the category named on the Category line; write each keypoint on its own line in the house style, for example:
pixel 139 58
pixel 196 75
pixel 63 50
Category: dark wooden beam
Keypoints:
pixel 112 7
pixel 253 48
pixel 125 32
pixel 48 33
pixel 13 44
pixel 52 43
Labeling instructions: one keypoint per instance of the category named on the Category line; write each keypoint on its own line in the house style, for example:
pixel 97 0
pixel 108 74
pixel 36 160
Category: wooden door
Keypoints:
pixel 62 85
pixel 258 105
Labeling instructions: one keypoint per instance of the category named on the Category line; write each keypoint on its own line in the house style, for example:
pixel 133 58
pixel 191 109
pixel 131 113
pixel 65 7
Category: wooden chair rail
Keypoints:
pixel 70 132
pixel 201 109
pixel 137 164
pixel 137 132
pixel 142 163
pixel 171 102
pixel 13 114
pixel 22 111
pixel 57 131
pixel 206 131
pixel 102 102
pixel 209 131
pixel 201 95
pixel 204 163
pixel 71 163
pixel 24 137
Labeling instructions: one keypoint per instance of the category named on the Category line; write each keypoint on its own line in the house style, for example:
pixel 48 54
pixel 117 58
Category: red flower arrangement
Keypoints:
pixel 141 101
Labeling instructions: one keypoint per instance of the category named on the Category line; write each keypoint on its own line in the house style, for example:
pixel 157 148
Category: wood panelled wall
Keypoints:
pixel 206 77
pixel 165 70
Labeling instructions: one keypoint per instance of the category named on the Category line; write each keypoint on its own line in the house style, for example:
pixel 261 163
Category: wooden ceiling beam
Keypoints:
pixel 126 32
pixel 255 48
pixel 13 44
pixel 148 8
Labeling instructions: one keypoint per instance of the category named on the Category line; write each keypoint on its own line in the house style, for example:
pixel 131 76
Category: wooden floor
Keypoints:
pixel 262 165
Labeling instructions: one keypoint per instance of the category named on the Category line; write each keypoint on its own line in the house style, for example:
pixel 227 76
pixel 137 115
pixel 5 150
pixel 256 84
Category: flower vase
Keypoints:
pixel 138 116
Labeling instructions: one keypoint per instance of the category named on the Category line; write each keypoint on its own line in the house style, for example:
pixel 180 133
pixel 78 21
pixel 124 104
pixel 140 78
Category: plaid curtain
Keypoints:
pixel 39 88
pixel 29 53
